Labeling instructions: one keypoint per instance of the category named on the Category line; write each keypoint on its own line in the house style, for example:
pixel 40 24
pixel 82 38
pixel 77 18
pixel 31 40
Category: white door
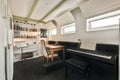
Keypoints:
pixel 9 45
pixel 9 52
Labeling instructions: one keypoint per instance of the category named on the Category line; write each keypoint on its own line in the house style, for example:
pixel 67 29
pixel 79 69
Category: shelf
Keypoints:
pixel 25 32
pixel 32 29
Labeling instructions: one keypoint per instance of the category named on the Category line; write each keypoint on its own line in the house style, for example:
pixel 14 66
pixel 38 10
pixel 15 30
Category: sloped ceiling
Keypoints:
pixel 47 10
pixel 66 6
pixel 50 25
pixel 43 7
pixel 21 7
pixel 65 18
pixel 95 7
pixel 41 10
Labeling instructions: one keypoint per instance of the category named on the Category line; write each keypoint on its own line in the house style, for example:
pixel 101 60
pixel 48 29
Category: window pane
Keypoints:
pixel 53 31
pixel 70 28
pixel 105 22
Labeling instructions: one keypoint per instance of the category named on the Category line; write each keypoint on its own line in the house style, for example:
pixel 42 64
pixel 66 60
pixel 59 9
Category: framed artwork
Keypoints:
pixel 43 33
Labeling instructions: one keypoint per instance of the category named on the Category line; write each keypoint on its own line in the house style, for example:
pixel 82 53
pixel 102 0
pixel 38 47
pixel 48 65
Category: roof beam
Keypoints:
pixel 56 7
pixel 27 19
pixel 32 8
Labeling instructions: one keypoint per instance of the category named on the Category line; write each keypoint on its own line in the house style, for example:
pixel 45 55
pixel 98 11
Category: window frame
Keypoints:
pixel 101 17
pixel 67 26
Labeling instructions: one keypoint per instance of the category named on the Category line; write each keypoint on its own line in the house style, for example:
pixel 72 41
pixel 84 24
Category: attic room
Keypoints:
pixel 59 39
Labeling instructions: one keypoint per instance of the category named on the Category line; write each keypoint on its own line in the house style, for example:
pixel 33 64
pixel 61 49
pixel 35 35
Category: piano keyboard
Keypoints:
pixel 98 55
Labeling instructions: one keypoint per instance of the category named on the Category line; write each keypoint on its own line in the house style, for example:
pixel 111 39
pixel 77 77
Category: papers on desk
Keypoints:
pixel 20 44
pixel 30 48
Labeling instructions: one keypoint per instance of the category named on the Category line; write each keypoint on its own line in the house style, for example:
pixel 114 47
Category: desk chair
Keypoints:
pixel 46 53
pixel 80 66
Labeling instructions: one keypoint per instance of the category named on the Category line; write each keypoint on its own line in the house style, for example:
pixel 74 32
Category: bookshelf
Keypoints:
pixel 25 32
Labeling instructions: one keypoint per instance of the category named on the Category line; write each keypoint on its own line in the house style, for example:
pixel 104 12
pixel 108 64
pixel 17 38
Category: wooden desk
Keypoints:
pixel 54 48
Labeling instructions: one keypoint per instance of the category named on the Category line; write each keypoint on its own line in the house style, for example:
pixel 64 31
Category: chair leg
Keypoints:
pixel 47 60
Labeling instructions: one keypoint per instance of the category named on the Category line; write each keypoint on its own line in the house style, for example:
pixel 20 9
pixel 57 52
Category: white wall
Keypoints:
pixel 4 28
pixel 2 58
pixel 103 36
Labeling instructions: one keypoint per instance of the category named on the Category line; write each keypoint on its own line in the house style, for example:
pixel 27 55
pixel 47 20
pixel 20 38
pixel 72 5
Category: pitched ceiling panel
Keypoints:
pixel 96 7
pixel 65 18
pixel 43 7
pixel 68 5
pixel 50 25
pixel 21 7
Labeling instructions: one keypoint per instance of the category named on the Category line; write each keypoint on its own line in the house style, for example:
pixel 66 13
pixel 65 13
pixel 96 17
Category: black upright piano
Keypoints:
pixel 103 60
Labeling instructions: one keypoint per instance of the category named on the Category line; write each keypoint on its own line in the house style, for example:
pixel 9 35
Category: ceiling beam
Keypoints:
pixel 56 7
pixel 32 8
pixel 27 19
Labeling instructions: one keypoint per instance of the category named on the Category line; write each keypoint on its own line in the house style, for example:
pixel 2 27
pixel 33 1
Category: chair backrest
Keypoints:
pixel 44 50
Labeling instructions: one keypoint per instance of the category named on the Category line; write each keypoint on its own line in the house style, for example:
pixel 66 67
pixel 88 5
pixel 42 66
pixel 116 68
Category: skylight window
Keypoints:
pixel 68 29
pixel 105 21
pixel 53 31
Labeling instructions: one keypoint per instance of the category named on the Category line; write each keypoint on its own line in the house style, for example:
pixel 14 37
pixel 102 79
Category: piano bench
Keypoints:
pixel 80 66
